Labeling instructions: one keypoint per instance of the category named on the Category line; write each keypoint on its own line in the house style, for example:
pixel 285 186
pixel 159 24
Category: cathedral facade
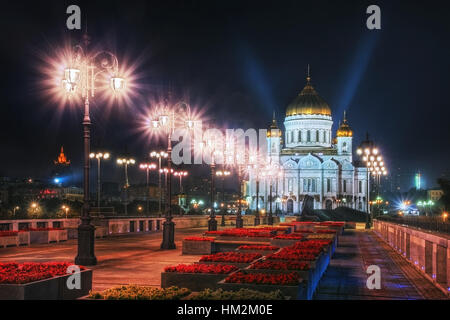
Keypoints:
pixel 310 161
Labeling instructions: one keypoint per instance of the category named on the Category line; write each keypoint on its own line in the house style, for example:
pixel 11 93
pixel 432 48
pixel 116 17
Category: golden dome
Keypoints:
pixel 308 102
pixel 344 129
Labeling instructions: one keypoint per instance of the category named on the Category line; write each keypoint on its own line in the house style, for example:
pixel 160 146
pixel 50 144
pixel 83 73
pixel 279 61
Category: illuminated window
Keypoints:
pixel 344 147
pixel 308 136
pixel 299 136
pixel 317 136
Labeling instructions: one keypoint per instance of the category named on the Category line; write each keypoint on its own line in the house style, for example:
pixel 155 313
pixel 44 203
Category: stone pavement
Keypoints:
pixel 122 259
pixel 137 259
pixel 346 276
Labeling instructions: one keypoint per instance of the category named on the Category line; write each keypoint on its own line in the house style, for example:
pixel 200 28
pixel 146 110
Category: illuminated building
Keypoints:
pixel 61 174
pixel 311 160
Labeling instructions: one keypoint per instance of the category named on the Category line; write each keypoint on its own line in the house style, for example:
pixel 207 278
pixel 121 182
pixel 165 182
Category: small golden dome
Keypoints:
pixel 344 129
pixel 308 102
pixel 273 130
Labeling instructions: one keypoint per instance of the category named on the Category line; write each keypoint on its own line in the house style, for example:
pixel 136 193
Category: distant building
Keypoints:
pixel 435 194
pixel 62 173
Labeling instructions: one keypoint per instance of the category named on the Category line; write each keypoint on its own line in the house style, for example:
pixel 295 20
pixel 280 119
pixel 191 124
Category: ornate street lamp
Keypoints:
pixel 168 122
pixel 222 174
pixel 180 175
pixel 125 162
pixel 375 164
pixel 159 155
pixel 81 78
pixel 147 167
pixel 99 156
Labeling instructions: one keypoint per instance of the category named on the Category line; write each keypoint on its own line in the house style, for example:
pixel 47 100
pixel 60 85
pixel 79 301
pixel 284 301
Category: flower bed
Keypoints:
pixel 289 237
pixel 242 294
pixel 15 273
pixel 41 281
pixel 258 247
pixel 195 277
pixel 8 233
pixel 199 239
pixel 286 279
pixel 280 265
pixel 243 232
pixel 235 257
pixel 198 245
pixel 134 292
pixel 294 254
pixel 202 268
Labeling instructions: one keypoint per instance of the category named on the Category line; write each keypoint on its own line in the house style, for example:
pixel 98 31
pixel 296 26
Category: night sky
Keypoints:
pixel 238 61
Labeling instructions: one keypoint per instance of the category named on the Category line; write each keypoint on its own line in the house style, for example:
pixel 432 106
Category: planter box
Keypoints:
pixel 228 245
pixel 310 278
pixel 262 252
pixel 47 289
pixel 24 238
pixel 9 241
pixel 283 242
pixel 198 247
pixel 239 265
pixel 298 292
pixel 192 281
pixel 244 239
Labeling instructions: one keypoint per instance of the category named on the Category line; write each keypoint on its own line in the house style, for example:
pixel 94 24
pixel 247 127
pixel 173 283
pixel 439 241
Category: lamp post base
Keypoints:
pixel 168 235
pixel 270 220
pixel 239 222
pixel 257 221
pixel 212 224
pixel 86 238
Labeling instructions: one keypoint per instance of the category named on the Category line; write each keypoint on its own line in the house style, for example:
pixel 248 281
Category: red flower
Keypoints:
pixel 199 239
pixel 235 257
pixel 291 278
pixel 15 273
pixel 258 247
pixel 202 268
pixel 278 265
pixel 289 237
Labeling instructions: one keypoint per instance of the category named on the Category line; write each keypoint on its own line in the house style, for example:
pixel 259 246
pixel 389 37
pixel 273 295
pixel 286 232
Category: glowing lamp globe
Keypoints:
pixel 72 75
pixel 69 87
pixel 117 84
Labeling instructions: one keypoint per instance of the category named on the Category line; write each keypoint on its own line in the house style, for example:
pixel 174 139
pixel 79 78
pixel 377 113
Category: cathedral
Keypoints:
pixel 309 162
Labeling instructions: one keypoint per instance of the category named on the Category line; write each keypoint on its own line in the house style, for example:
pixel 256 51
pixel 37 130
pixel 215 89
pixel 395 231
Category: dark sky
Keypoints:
pixel 240 60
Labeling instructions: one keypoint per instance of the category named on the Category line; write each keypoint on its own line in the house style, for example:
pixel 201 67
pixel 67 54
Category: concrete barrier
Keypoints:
pixel 428 251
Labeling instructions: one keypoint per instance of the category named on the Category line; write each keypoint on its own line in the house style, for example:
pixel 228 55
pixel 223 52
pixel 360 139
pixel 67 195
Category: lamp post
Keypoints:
pixel 223 174
pixel 125 162
pixel 167 121
pixel 65 209
pixel 99 156
pixel 159 155
pixel 180 175
pixel 80 78
pixel 147 167
pixel 374 164
pixel 15 209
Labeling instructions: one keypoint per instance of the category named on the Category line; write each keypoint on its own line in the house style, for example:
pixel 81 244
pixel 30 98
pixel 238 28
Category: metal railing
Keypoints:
pixel 435 223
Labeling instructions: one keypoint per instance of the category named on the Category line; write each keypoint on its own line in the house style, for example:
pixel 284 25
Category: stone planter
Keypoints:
pixel 9 241
pixel 239 265
pixel 262 252
pixel 244 239
pixel 283 242
pixel 198 247
pixel 48 289
pixel 298 292
pixel 192 281
pixel 101 232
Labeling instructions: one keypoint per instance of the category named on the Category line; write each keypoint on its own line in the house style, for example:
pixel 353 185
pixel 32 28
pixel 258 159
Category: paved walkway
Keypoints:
pixel 137 259
pixel 121 259
pixel 346 276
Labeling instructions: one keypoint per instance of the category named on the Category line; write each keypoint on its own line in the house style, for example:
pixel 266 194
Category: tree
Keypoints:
pixel 445 187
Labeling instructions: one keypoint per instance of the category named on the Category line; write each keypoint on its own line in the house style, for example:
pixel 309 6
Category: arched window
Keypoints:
pixel 299 136
pixel 308 136
pixel 344 147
